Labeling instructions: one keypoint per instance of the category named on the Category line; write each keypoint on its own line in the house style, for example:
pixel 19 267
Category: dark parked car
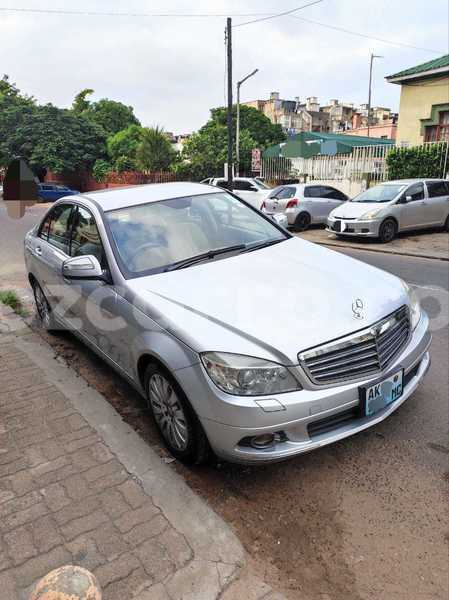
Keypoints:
pixel 49 192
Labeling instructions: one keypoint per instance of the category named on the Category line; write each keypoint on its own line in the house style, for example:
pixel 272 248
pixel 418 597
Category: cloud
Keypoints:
pixel 172 70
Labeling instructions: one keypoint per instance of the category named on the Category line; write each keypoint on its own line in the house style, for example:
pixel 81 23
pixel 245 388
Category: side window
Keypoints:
pixel 416 191
pixel 313 191
pixel 334 194
pixel 437 188
pixel 45 227
pixel 60 227
pixel 85 237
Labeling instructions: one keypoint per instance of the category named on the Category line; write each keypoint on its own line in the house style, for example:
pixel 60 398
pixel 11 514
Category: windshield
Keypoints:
pixel 149 238
pixel 379 193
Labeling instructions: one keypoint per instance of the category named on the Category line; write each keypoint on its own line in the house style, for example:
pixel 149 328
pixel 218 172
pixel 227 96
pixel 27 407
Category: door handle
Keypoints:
pixel 38 250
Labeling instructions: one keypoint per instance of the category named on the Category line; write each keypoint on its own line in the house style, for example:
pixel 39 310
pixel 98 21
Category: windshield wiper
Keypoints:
pixel 186 262
pixel 262 245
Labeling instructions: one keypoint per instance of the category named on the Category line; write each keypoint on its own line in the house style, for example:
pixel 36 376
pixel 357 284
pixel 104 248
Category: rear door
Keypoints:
pixel 52 248
pixel 438 201
pixel 316 203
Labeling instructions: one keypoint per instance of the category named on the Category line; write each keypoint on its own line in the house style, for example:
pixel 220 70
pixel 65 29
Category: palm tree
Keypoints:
pixel 154 152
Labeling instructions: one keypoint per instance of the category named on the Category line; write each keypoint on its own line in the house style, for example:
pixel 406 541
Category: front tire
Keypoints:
pixel 388 231
pixel 43 308
pixel 176 420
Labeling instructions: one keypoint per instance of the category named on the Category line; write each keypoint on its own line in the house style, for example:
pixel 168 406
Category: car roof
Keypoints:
pixel 409 181
pixel 143 194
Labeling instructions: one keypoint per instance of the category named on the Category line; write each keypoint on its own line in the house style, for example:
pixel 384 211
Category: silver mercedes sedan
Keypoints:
pixel 244 340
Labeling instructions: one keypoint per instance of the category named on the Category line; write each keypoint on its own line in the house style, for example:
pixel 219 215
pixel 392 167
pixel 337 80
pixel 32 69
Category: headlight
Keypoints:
pixel 372 214
pixel 415 307
pixel 247 376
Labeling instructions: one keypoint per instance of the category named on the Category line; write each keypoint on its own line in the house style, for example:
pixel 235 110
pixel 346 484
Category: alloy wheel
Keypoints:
pixel 302 222
pixel 388 231
pixel 168 412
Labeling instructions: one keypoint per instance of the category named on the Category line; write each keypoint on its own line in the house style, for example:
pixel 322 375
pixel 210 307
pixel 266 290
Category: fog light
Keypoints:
pixel 261 442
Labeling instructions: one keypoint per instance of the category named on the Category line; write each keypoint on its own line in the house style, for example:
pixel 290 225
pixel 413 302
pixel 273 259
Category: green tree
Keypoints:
pixel 54 138
pixel 100 170
pixel 14 107
pixel 206 152
pixel 154 152
pixel 261 129
pixel 124 143
pixel 80 104
pixel 111 115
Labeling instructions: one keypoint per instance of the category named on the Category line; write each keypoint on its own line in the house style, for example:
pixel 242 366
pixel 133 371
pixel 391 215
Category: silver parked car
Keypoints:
pixel 388 208
pixel 170 283
pixel 251 189
pixel 303 203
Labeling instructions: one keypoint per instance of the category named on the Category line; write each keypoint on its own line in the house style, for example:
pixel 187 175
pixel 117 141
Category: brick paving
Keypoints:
pixel 66 498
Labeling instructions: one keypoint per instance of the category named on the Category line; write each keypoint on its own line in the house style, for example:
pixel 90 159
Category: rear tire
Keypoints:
pixel 446 225
pixel 43 309
pixel 388 231
pixel 176 420
pixel 302 222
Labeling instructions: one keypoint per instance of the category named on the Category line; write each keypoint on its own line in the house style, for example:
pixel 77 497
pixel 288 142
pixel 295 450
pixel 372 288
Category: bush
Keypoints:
pixel 419 161
pixel 100 170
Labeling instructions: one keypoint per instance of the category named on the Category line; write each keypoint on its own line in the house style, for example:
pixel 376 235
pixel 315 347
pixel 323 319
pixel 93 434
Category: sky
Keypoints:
pixel 172 69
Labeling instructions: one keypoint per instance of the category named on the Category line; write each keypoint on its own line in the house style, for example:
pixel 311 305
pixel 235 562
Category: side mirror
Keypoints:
pixel 280 219
pixel 83 267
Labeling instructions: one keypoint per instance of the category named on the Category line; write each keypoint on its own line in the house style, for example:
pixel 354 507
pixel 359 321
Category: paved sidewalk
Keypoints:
pixel 424 244
pixel 79 486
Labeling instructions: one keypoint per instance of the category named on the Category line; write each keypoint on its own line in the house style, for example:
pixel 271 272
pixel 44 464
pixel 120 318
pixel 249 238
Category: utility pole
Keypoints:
pixel 373 56
pixel 229 55
pixel 237 137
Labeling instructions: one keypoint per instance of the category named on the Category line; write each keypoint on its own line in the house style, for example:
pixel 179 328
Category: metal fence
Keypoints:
pixel 365 163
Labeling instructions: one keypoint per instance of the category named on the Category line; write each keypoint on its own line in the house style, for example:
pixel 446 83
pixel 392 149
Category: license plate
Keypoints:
pixel 379 395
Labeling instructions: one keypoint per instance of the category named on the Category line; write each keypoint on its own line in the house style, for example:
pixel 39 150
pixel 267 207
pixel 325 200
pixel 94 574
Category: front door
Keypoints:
pixel 414 213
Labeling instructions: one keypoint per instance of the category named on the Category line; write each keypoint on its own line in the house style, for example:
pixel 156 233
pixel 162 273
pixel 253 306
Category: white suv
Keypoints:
pixel 254 191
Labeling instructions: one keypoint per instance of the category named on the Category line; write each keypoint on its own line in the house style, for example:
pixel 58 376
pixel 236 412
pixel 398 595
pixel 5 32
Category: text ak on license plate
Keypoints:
pixel 381 394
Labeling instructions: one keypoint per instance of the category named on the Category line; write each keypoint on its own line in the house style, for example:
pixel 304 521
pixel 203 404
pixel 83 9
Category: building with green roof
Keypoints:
pixel 424 106
pixel 308 144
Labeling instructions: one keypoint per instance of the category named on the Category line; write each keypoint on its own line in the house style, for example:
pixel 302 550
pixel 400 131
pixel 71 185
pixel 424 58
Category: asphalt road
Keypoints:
pixel 364 518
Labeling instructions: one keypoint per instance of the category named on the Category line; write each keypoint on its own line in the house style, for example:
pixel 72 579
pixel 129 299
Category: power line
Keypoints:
pixel 282 14
pixel 90 13
pixel 369 37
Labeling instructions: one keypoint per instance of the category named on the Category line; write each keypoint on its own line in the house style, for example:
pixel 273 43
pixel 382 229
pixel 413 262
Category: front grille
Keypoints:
pixel 363 353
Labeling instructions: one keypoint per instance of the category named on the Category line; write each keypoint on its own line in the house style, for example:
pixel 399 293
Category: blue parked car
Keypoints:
pixel 50 192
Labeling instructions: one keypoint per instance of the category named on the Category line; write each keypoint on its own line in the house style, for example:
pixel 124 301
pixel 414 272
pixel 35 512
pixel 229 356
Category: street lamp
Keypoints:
pixel 237 137
pixel 373 56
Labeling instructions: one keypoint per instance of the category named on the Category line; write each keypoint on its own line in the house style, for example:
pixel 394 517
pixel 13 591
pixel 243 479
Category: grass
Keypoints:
pixel 11 299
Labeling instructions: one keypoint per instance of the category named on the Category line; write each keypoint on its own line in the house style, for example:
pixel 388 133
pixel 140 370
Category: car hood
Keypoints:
pixel 354 210
pixel 271 303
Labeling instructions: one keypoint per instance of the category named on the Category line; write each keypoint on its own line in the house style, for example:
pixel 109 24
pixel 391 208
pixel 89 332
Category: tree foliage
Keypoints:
pixel 53 138
pixel 111 115
pixel 261 129
pixel 154 152
pixel 206 151
pixel 124 143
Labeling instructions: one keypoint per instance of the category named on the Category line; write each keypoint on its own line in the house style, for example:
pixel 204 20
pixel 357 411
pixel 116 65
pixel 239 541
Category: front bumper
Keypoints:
pixel 367 228
pixel 227 420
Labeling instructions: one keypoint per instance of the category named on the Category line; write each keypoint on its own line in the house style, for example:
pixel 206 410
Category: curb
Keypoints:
pixel 379 251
